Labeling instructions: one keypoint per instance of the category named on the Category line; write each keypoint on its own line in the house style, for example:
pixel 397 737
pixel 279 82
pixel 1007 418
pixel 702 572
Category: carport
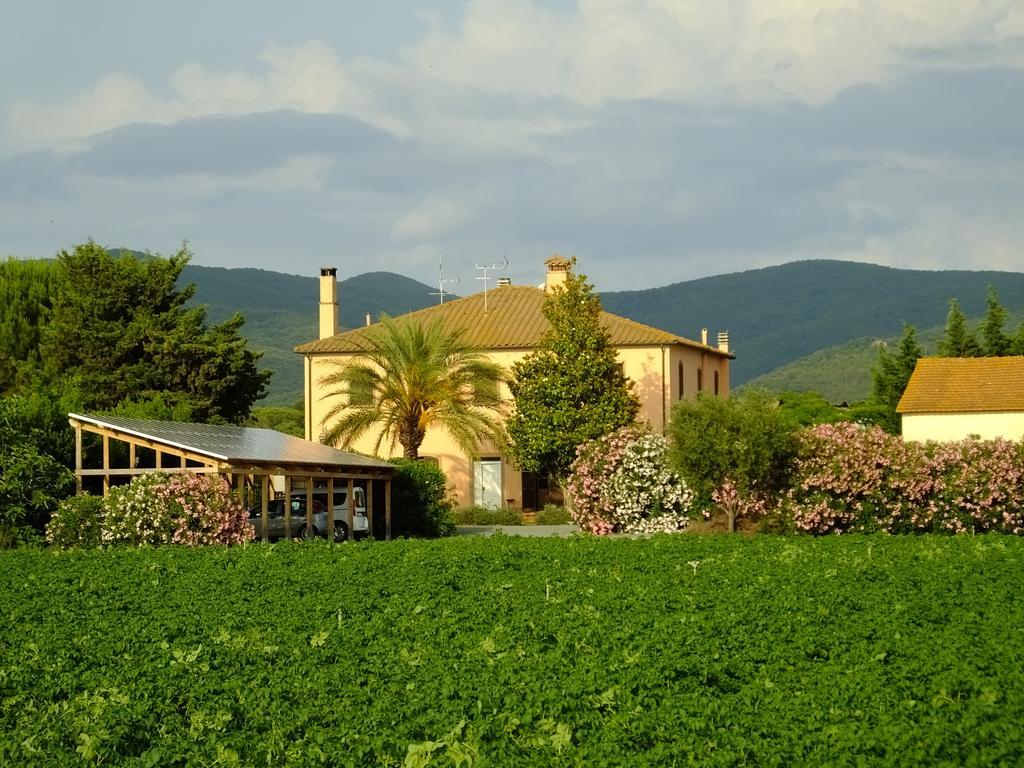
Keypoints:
pixel 247 456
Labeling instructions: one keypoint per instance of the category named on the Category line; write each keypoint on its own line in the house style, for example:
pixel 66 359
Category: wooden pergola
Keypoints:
pixel 248 457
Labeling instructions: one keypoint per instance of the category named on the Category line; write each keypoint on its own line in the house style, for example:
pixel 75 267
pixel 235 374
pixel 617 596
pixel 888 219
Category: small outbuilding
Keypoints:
pixel 950 398
pixel 246 456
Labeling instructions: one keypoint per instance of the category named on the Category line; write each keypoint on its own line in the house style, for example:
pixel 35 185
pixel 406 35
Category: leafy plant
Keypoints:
pixel 421 501
pixel 488 516
pixel 553 514
pixel 78 522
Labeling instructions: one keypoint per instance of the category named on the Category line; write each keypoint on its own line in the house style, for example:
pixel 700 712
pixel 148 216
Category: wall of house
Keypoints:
pixel 944 427
pixel 647 367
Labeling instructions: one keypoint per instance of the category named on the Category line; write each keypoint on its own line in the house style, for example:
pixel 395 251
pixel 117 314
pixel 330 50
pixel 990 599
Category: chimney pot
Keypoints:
pixel 504 282
pixel 723 341
pixel 704 336
pixel 558 269
pixel 369 320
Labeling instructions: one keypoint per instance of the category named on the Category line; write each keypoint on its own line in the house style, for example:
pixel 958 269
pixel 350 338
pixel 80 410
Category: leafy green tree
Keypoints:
pixel 957 340
pixel 412 377
pixel 420 498
pixel 120 329
pixel 570 389
pixel 994 341
pixel 733 452
pixel 890 377
pixel 1017 347
pixel 804 409
pixel 26 299
pixel 290 420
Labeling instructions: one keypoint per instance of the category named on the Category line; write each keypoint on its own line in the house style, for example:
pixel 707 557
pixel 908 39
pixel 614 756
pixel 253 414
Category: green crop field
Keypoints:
pixel 682 650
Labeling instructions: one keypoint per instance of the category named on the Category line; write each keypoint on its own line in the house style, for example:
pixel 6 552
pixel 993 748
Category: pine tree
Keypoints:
pixel 120 330
pixel 994 341
pixel 570 389
pixel 891 374
pixel 957 340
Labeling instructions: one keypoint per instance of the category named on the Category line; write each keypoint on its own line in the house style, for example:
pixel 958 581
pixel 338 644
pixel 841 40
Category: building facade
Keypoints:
pixel 950 398
pixel 507 323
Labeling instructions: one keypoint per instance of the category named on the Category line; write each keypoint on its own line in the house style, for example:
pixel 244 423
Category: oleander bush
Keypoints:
pixel 78 522
pixel 849 477
pixel 621 483
pixel 858 650
pixel 155 508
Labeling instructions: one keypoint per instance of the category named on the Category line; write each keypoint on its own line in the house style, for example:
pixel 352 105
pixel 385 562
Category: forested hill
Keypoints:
pixel 779 314
pixel 774 315
pixel 281 311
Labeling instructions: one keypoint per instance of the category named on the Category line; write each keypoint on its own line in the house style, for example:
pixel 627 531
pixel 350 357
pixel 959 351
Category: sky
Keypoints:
pixel 656 140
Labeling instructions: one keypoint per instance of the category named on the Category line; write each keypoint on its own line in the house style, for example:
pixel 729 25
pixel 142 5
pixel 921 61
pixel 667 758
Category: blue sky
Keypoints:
pixel 658 141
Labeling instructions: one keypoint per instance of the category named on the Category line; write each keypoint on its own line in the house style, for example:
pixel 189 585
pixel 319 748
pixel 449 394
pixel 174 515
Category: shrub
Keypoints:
pixel 735 453
pixel 850 477
pixel 488 516
pixel 553 514
pixel 183 508
pixel 204 511
pixel 421 501
pixel 77 522
pixel 620 483
pixel 977 485
pixel 31 486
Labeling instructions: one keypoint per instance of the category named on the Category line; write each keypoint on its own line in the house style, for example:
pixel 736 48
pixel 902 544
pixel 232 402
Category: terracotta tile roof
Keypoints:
pixel 965 385
pixel 513 320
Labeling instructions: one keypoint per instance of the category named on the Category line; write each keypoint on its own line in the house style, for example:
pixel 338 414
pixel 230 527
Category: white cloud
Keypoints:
pixel 751 50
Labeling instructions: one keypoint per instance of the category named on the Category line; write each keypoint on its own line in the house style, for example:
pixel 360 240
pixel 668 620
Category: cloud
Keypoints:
pixel 433 218
pixel 752 51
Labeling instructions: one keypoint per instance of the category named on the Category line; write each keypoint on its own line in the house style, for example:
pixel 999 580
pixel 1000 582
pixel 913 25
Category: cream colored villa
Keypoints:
pixel 507 322
pixel 950 398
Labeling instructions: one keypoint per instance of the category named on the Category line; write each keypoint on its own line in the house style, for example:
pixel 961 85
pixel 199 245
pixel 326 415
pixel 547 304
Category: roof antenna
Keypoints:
pixel 442 280
pixel 485 278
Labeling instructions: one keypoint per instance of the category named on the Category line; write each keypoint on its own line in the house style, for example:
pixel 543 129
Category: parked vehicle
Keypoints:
pixel 299 529
pixel 360 521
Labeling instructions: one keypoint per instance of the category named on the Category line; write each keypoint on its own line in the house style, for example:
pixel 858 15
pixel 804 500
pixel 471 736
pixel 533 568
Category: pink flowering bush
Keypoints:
pixel 185 508
pixel 978 486
pixel 620 483
pixel 849 477
pixel 853 478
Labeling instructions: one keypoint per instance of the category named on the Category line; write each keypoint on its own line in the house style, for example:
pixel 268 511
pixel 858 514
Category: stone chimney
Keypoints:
pixel 723 341
pixel 328 302
pixel 558 270
pixel 704 336
pixel 504 282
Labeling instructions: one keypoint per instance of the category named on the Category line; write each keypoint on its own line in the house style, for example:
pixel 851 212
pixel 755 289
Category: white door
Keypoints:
pixel 487 483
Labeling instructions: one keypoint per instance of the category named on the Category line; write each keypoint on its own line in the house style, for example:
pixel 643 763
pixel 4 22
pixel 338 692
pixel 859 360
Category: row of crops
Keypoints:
pixel 674 650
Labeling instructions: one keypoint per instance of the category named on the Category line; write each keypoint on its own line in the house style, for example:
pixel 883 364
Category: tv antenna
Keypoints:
pixel 485 278
pixel 442 281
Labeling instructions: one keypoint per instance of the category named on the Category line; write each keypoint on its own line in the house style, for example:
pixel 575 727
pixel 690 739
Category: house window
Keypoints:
pixel 700 379
pixel 487 483
pixel 680 381
pixel 716 382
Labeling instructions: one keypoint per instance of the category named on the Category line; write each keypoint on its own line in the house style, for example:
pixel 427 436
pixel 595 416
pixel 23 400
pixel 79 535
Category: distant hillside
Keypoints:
pixel 843 372
pixel 281 311
pixel 780 314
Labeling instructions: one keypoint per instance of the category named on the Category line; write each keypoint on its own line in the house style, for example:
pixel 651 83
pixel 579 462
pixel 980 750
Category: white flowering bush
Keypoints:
pixel 135 514
pixel 620 483
pixel 183 508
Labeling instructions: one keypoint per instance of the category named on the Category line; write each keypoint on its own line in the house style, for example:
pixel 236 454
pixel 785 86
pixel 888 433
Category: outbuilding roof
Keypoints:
pixel 234 445
pixel 965 385
pixel 512 320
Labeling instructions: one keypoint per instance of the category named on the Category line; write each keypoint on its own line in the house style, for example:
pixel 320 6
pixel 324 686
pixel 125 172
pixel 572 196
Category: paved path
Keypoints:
pixel 517 530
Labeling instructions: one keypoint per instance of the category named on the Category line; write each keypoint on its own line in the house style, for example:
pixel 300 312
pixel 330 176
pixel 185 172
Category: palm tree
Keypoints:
pixel 412 376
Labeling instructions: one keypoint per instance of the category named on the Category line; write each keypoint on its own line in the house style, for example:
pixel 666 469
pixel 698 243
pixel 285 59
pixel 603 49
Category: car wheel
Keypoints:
pixel 308 533
pixel 340 532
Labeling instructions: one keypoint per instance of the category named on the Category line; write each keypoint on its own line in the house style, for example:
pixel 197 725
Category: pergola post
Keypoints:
pixel 106 465
pixel 78 459
pixel 369 504
pixel 264 505
pixel 330 509
pixel 387 510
